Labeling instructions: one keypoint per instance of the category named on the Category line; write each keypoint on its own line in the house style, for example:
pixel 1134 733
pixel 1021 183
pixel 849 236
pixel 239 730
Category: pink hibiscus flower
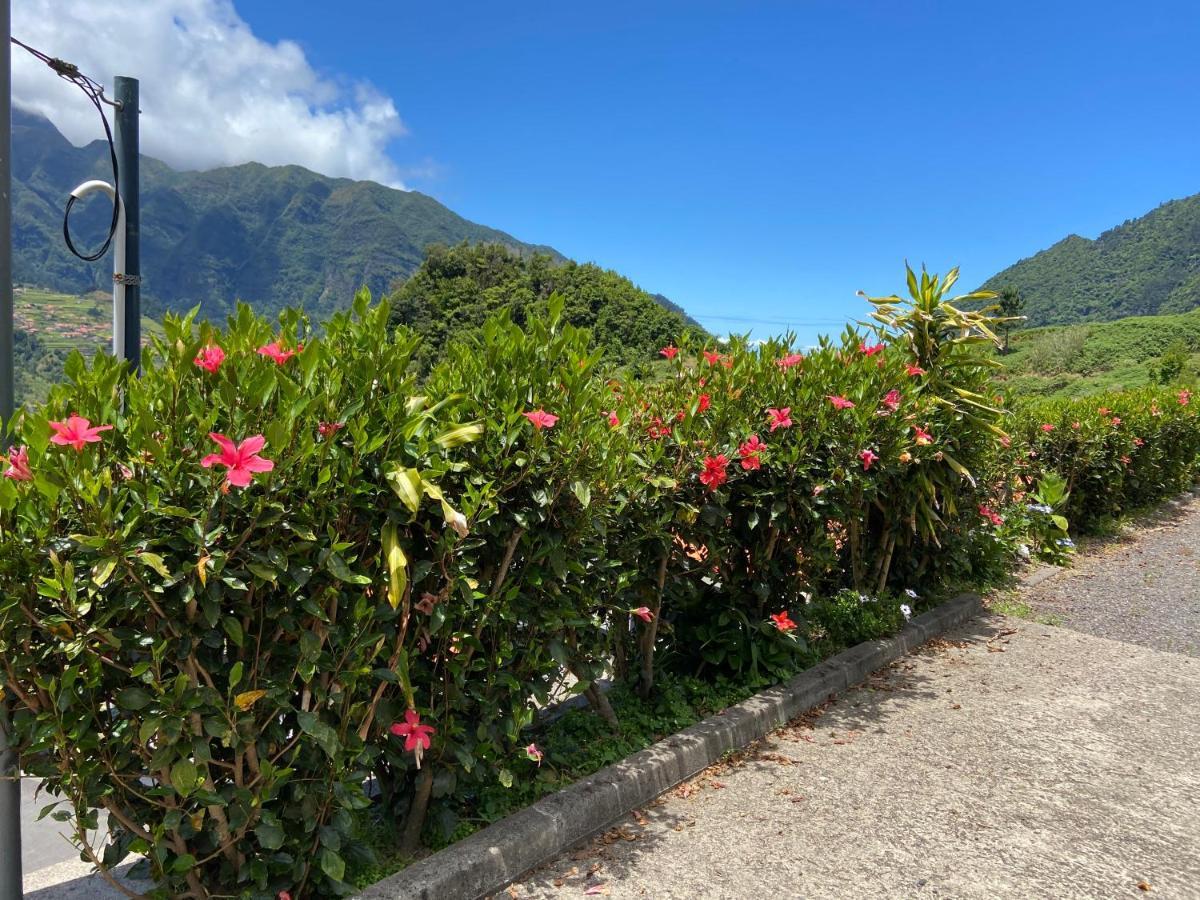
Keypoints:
pixel 541 419
pixel 276 353
pixel 868 456
pixel 840 402
pixel 242 460
pixel 18 465
pixel 779 418
pixel 783 621
pixel 76 432
pixel 670 351
pixel 414 733
pixel 714 473
pixel 643 613
pixel 210 358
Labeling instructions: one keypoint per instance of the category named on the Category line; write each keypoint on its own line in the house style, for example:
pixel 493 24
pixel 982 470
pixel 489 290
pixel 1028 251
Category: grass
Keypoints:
pixel 1077 360
pixel 1012 605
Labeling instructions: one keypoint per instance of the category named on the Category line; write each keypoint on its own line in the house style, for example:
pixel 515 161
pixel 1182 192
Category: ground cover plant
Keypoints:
pixel 281 564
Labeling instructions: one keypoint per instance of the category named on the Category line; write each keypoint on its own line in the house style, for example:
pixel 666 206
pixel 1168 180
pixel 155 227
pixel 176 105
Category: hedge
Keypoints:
pixel 288 567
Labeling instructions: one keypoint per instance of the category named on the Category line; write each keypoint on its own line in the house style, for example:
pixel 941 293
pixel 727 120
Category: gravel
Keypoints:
pixel 1142 586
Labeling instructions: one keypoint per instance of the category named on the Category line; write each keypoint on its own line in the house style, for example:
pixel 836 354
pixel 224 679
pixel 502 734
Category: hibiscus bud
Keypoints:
pixel 458 522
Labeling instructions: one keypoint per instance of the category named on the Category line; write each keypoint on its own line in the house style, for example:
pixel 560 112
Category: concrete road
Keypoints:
pixel 1012 760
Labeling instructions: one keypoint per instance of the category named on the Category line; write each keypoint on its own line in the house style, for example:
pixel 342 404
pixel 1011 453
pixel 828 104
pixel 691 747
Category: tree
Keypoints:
pixel 1011 303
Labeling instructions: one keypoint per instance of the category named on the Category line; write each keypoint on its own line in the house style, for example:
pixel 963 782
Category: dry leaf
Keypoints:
pixel 247 699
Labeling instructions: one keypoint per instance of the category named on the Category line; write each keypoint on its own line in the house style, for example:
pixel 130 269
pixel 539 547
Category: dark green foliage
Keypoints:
pixel 1011 305
pixel 1143 267
pixel 457 289
pixel 272 236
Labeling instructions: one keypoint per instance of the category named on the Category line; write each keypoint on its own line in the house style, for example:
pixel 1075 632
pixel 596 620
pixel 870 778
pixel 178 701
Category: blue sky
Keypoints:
pixel 759 162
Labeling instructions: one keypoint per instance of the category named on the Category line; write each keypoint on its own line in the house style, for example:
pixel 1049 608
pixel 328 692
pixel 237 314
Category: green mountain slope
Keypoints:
pixel 273 236
pixel 1146 266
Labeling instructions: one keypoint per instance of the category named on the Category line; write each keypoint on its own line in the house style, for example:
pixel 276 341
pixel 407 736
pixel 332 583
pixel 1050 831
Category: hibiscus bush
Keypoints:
pixel 205 595
pixel 1116 452
pixel 280 565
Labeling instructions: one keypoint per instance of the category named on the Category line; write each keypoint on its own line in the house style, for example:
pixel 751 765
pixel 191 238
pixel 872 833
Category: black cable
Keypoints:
pixel 94 91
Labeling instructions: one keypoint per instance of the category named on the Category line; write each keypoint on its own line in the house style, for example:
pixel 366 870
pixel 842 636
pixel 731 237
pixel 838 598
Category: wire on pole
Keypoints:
pixel 94 91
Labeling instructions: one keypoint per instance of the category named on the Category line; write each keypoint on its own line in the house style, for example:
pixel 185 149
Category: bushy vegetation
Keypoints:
pixel 457 289
pixel 1079 360
pixel 278 563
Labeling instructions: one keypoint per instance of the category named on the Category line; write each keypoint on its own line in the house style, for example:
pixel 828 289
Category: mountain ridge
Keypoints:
pixel 1148 265
pixel 271 235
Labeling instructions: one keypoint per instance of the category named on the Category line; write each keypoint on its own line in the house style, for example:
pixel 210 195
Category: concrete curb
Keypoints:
pixel 490 859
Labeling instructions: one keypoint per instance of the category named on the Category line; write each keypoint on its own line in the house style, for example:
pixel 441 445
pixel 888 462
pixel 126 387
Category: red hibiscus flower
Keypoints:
pixel 868 456
pixel 534 754
pixel 991 515
pixel 210 358
pixel 779 418
pixel 871 350
pixel 922 437
pixel 749 452
pixel 541 419
pixel 1185 397
pixel 242 459
pixel 325 429
pixel 1047 428
pixel 704 404
pixel 414 733
pixel 783 621
pixel 790 360
pixel 643 613
pixel 1115 421
pixel 712 357
pixel 913 371
pixel 670 351
pixel 76 432
pixel 275 352
pixel 613 419
pixel 714 473
pixel 1138 442
pixel 840 402
pixel 18 465
pixel 891 401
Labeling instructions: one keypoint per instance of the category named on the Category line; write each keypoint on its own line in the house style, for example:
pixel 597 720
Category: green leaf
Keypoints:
pixel 323 734
pixel 396 562
pixel 338 568
pixel 270 835
pixel 506 777
pixel 184 777
pixel 582 492
pixel 103 570
pixel 133 698
pixel 155 562
pixel 233 628
pixel 332 864
pixel 235 674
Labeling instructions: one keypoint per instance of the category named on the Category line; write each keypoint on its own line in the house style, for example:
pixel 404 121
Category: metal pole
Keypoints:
pixel 127 142
pixel 10 770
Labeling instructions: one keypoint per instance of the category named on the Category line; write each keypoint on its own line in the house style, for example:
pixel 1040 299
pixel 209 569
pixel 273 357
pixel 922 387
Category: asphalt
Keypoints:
pixel 1013 758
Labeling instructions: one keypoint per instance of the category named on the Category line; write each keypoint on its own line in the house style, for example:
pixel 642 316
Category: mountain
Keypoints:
pixel 273 236
pixel 1146 266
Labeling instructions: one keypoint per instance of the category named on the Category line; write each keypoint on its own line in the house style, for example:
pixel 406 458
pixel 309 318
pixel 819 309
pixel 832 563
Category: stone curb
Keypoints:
pixel 490 859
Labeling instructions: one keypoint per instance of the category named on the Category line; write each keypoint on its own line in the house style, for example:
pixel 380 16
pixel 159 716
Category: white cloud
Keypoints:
pixel 211 92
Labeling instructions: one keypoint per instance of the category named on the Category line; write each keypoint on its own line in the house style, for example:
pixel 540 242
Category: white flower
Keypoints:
pixel 911 593
pixel 906 611
pixel 1023 552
